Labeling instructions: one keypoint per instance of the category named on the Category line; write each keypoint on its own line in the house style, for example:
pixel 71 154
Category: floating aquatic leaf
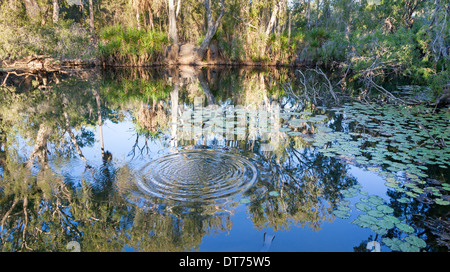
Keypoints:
pixel 403 200
pixel 341 214
pixel 411 194
pixel 375 213
pixel 363 206
pixel 305 113
pixel 343 208
pixel 373 169
pixel 294 133
pixel 391 219
pixel 404 227
pixel 418 190
pixel 407 247
pixel 375 200
pixel 284 129
pixel 274 193
pixel 410 185
pixel 391 185
pixel 378 229
pixel 368 219
pixel 386 224
pixel 392 243
pixel 385 209
pixel 415 241
pixel 446 186
pixel 442 202
pixel 244 200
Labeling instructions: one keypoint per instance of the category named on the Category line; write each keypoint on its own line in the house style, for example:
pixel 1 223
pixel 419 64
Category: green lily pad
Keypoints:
pixel 244 200
pixel 274 193
pixel 415 241
pixel 391 218
pixel 375 213
pixel 405 227
pixel 378 229
pixel 446 186
pixel 363 206
pixel 440 201
pixel 385 209
pixel 375 200
pixel 407 247
pixel 386 224
pixel 368 219
pixel 341 214
pixel 392 243
pixel 343 208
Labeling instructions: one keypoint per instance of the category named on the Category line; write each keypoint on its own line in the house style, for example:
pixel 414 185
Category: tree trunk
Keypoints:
pixel 100 123
pixel 138 20
pixel 150 18
pixel 44 13
pixel 348 19
pixel 55 11
pixel 174 109
pixel 178 8
pixel 269 28
pixel 173 36
pixel 172 24
pixel 82 11
pixel 32 8
pixel 211 30
pixel 40 146
pixel 91 16
pixel 308 15
pixel 289 26
pixel 273 17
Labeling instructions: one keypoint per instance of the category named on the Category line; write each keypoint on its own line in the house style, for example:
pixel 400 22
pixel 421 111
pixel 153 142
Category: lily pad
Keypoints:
pixel 244 200
pixel 341 214
pixel 392 243
pixel 363 206
pixel 375 213
pixel 375 200
pixel 440 201
pixel 386 224
pixel 405 227
pixel 391 218
pixel 385 209
pixel 407 247
pixel 415 241
pixel 274 193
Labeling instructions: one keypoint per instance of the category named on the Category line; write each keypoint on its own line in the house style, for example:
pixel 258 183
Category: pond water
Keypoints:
pixel 216 160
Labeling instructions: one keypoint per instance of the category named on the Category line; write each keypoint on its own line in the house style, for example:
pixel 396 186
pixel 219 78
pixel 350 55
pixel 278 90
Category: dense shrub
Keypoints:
pixel 130 46
pixel 21 38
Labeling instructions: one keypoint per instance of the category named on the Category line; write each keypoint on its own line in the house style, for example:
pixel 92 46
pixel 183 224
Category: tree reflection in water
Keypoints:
pixel 66 195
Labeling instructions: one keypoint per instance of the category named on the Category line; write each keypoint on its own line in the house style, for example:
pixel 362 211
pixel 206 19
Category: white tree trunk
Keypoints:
pixel 56 11
pixel 172 24
pixel 273 17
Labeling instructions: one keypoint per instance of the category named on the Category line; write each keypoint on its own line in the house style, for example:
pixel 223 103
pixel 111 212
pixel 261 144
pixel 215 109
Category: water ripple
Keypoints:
pixel 197 175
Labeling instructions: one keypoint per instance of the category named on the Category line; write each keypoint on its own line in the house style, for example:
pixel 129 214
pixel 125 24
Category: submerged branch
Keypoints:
pixel 330 86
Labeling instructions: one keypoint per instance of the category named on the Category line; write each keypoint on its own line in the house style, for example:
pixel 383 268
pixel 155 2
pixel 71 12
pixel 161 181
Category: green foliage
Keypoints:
pixel 21 37
pixel 125 45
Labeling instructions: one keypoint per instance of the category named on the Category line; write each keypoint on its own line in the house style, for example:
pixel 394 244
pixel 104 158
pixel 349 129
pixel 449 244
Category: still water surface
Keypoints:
pixel 216 160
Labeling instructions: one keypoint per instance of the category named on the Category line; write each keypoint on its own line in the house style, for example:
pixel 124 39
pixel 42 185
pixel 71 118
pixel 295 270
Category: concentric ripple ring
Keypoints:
pixel 197 175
